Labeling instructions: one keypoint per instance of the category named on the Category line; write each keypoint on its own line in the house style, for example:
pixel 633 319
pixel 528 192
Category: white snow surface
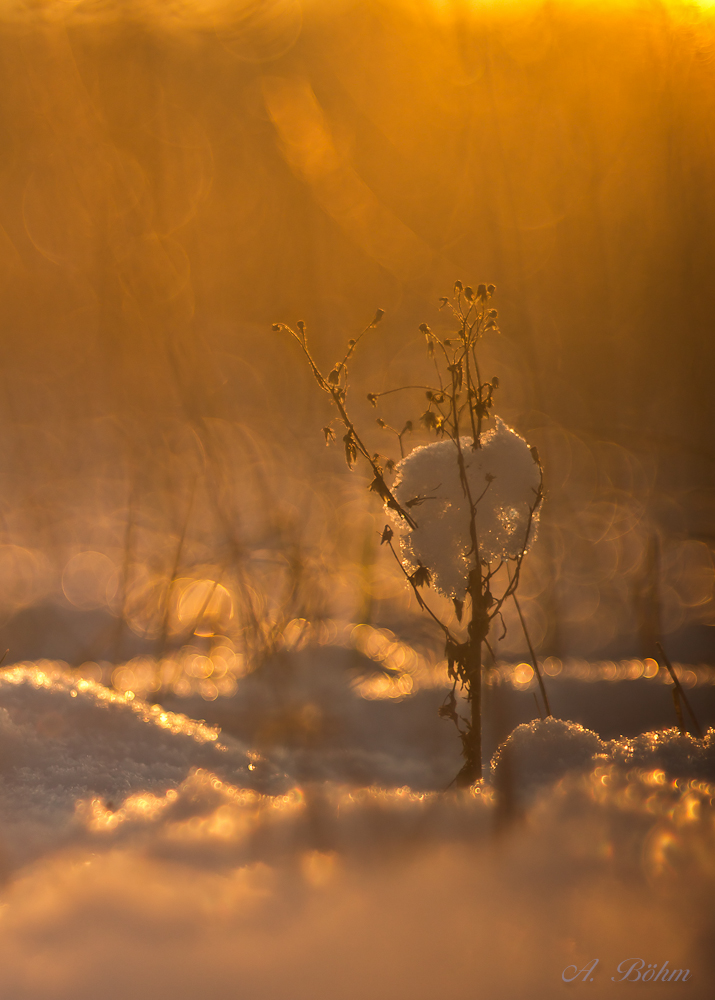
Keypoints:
pixel 441 541
pixel 64 739
pixel 142 859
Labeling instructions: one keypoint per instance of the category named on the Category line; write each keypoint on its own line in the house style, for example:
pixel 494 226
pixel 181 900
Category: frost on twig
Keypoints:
pixel 504 481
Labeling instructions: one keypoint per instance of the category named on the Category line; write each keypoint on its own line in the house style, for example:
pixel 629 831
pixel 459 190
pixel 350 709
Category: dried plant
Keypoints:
pixel 462 508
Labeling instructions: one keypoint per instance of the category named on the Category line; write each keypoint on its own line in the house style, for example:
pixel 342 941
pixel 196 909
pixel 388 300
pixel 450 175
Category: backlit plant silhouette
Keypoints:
pixel 461 508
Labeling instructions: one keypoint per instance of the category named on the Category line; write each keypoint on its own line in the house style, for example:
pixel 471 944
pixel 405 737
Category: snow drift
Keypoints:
pixel 146 854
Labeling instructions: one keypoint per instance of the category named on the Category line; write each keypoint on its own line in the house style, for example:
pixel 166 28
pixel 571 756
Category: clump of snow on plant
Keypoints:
pixel 503 473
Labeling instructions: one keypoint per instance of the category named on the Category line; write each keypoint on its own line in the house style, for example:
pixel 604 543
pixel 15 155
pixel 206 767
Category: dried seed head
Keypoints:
pixel 421 576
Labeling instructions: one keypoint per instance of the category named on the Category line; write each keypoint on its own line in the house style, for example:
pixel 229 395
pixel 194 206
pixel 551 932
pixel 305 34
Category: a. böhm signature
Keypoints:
pixel 630 970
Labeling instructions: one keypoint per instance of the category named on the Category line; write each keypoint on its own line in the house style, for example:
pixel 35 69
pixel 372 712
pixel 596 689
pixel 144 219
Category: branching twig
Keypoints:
pixel 462 396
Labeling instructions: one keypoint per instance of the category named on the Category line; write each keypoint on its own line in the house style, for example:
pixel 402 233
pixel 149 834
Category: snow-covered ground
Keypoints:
pixel 148 855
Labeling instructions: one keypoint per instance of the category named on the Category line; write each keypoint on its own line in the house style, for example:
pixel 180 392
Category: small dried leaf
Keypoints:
pixel 387 534
pixel 378 486
pixel 456 370
pixel 449 709
pixel 329 434
pixel 350 450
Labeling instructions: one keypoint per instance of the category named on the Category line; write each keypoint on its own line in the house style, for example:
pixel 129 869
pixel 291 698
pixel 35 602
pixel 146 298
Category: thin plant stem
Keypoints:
pixel 681 692
pixel 532 654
